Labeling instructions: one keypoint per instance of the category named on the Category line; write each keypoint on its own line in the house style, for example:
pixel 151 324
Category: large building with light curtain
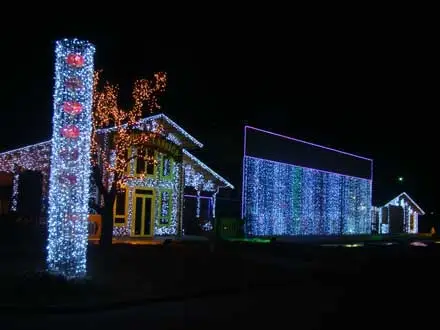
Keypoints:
pixel 292 187
pixel 152 201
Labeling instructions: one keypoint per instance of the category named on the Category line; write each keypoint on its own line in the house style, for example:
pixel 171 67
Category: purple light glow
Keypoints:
pixel 308 168
pixel 298 140
pixel 243 174
pixel 371 178
pixel 243 204
pixel 195 196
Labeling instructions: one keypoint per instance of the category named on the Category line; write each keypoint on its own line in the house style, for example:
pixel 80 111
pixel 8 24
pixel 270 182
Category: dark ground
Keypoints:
pixel 238 285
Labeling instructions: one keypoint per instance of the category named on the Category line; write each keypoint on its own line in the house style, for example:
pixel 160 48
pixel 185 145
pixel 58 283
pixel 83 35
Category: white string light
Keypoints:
pixel 198 204
pixel 70 159
pixel 410 216
pixel 192 172
pixel 283 199
pixel 160 184
pixel 196 173
pixel 35 157
pixel 14 201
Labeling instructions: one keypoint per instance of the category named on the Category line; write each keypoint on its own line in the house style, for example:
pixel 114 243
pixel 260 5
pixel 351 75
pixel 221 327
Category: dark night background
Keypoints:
pixel 367 90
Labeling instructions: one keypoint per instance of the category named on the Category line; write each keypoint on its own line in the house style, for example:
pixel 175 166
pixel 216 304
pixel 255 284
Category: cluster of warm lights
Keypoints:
pixel 107 113
pixel 151 122
pixel 119 136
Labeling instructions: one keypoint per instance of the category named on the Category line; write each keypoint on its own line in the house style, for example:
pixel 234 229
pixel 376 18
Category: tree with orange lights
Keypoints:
pixel 110 161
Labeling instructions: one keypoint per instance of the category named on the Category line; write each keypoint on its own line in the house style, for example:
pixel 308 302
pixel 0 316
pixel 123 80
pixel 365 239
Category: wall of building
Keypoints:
pixel 282 199
pixel 166 198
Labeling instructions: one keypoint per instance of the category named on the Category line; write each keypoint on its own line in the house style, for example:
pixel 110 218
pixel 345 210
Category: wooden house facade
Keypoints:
pixel 151 201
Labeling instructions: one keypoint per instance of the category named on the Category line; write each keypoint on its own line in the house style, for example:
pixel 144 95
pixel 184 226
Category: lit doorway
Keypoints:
pixel 143 213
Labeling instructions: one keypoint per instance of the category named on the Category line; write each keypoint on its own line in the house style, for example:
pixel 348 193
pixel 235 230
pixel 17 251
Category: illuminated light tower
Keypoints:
pixel 70 159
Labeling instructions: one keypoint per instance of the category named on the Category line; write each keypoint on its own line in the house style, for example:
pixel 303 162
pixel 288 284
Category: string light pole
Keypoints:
pixel 110 160
pixel 69 179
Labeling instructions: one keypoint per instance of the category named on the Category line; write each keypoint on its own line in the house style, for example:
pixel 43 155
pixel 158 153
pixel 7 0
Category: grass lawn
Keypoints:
pixel 347 239
pixel 250 240
pixel 129 272
pixel 136 272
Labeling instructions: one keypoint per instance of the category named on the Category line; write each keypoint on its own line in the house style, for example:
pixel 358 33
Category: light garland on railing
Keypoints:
pixel 283 199
pixel 70 159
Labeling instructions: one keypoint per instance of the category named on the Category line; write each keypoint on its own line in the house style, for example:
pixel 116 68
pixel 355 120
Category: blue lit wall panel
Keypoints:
pixel 282 199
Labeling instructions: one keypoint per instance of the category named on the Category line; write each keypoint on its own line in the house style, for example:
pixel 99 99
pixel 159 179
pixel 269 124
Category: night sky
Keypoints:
pixel 367 91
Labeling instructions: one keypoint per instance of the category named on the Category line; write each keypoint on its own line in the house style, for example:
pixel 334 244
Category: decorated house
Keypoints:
pixel 153 197
pixel 400 215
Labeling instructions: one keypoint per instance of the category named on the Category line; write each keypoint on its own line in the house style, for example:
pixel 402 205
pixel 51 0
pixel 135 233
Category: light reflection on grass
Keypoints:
pixel 344 245
pixel 250 240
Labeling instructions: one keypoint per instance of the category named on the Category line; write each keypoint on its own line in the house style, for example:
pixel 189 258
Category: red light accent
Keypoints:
pixel 72 107
pixel 75 60
pixel 74 83
pixel 72 217
pixel 69 154
pixel 68 179
pixel 70 132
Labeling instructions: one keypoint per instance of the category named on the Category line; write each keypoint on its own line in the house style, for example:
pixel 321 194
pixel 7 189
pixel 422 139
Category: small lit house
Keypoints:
pixel 400 215
pixel 152 200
